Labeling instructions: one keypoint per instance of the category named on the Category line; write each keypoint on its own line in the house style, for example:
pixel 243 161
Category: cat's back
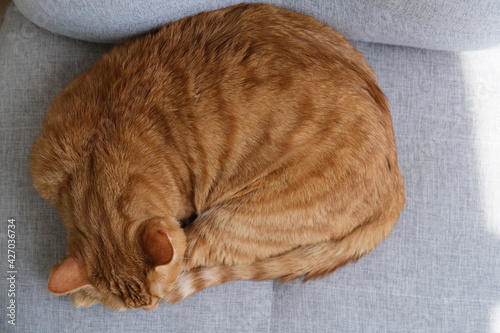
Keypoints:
pixel 268 96
pixel 250 97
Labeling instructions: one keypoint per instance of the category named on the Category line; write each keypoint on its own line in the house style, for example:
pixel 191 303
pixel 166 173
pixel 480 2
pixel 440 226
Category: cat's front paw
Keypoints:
pixel 184 288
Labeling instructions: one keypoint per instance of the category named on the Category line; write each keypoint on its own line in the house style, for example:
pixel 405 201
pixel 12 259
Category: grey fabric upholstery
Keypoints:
pixel 432 24
pixel 439 271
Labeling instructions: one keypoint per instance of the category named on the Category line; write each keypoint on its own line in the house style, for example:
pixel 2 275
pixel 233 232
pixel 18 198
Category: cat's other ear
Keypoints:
pixel 157 246
pixel 66 277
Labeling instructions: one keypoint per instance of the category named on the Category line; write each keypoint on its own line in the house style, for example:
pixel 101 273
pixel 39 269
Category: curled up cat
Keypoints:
pixel 262 126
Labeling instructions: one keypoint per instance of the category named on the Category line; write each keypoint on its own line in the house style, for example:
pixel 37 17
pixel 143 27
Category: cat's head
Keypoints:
pixel 138 273
pixel 116 198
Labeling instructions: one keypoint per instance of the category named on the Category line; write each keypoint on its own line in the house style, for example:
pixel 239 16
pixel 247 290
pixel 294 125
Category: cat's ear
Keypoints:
pixel 66 277
pixel 157 246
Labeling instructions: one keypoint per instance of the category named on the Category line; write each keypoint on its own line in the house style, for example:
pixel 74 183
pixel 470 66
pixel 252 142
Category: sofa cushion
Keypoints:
pixel 433 24
pixel 437 272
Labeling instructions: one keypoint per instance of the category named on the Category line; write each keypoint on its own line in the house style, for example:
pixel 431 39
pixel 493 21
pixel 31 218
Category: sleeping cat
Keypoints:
pixel 264 126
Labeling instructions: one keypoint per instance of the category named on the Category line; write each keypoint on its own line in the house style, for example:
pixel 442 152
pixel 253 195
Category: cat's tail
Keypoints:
pixel 311 261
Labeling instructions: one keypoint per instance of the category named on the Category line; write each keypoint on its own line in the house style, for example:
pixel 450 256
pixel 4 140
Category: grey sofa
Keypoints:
pixel 439 271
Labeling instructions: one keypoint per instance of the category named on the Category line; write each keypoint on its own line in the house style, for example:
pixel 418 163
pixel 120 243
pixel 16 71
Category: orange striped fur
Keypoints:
pixel 264 124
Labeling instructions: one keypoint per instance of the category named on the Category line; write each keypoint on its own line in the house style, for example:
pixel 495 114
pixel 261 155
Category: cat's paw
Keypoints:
pixel 184 288
pixel 191 282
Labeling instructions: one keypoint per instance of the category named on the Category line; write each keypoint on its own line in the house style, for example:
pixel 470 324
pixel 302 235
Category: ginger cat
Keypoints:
pixel 263 125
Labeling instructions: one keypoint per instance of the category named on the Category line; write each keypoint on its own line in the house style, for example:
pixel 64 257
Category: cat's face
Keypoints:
pixel 138 288
pixel 131 277
pixel 118 292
